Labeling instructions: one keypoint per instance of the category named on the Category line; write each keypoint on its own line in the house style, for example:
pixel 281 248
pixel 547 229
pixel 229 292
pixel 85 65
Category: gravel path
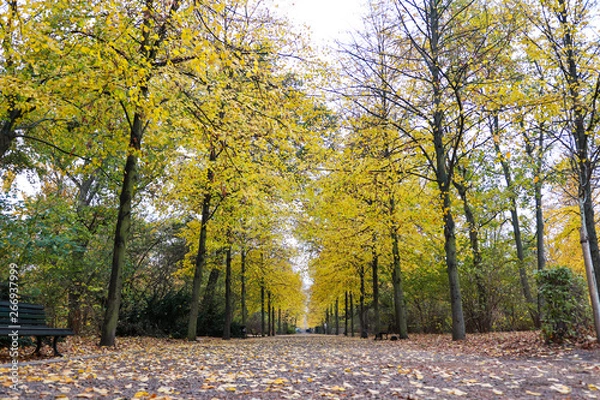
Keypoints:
pixel 306 366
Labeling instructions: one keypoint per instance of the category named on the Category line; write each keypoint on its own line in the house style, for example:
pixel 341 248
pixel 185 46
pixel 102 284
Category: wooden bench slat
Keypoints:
pixel 7 304
pixel 21 321
pixel 22 315
pixel 32 331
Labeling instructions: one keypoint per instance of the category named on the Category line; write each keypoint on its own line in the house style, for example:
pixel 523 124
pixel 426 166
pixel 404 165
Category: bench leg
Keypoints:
pixel 54 342
pixel 38 346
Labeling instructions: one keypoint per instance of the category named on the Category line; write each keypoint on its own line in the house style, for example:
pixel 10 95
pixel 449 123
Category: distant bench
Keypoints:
pixel 29 320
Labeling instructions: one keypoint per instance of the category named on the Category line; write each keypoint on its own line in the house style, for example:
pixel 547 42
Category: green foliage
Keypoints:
pixel 565 307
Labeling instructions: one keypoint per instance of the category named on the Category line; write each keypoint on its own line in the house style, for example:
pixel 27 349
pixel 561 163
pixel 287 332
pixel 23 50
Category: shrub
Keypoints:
pixel 565 306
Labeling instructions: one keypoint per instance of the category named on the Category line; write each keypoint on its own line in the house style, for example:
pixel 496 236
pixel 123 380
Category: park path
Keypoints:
pixel 306 366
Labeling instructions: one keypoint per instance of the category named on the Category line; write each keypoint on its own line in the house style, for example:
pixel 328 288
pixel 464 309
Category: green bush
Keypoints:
pixel 565 306
pixel 165 316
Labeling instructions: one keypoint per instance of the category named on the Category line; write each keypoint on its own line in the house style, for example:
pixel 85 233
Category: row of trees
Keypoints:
pixel 179 146
pixel 479 118
pixel 169 139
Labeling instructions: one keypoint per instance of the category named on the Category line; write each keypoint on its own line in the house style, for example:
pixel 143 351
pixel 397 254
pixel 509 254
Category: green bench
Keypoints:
pixel 24 319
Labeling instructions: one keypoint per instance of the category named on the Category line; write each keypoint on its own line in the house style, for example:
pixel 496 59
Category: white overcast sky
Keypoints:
pixel 328 19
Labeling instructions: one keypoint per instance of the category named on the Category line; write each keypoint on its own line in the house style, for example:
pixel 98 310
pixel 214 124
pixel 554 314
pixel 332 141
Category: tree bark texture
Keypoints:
pixel 201 256
pixel 130 176
pixel 228 310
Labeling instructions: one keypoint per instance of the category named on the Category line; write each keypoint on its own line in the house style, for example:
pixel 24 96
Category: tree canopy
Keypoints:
pixel 195 167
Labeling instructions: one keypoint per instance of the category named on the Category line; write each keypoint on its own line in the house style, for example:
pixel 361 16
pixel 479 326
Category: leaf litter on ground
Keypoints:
pixel 486 366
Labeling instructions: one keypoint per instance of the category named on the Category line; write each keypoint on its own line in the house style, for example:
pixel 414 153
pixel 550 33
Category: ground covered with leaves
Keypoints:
pixel 504 365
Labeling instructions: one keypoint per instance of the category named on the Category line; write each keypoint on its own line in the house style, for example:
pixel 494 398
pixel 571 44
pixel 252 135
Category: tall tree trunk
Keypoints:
pixel 375 271
pixel 279 321
pixel 243 288
pixel 148 50
pixel 362 318
pixel 273 320
pixel 539 211
pixel 482 313
pixel 331 319
pixel 514 214
pixel 591 278
pixel 346 313
pixel 337 318
pixel 443 171
pixel 592 235
pixel 262 310
pixel 228 310
pixel 458 321
pixel 130 176
pixel 269 312
pixel 351 315
pixel 536 156
pixel 580 132
pixel 399 304
pixel 201 256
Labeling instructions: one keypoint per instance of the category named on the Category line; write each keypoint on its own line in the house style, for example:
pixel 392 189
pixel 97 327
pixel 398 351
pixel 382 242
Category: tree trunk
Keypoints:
pixel 337 318
pixel 273 320
pixel 588 209
pixel 375 270
pixel 483 316
pixel 517 232
pixel 536 156
pixel 269 313
pixel 591 278
pixel 399 304
pixel 228 310
pixel 243 288
pixel 130 176
pixel 443 172
pixel 539 213
pixel 279 321
pixel 351 315
pixel 458 322
pixel 262 310
pixel 580 133
pixel 201 257
pixel 346 313
pixel 362 318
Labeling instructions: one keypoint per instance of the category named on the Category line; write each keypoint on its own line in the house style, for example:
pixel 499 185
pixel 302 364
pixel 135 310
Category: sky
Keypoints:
pixel 328 19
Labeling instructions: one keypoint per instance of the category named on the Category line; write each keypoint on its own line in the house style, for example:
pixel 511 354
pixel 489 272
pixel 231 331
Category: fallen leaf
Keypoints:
pixel 102 392
pixel 529 392
pixel 561 388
